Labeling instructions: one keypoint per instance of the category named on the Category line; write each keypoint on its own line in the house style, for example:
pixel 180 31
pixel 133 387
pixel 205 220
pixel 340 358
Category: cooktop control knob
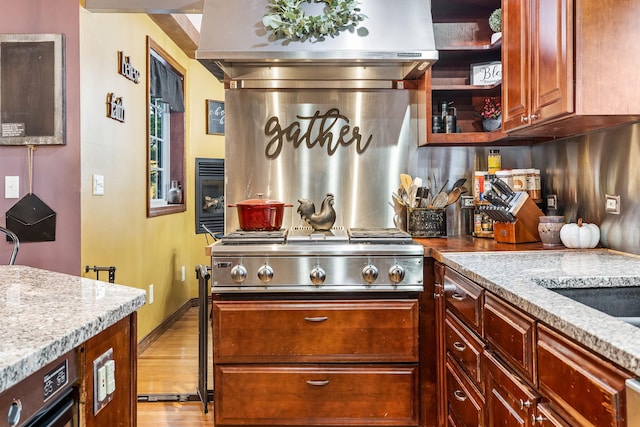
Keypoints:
pixel 317 275
pixel 370 273
pixel 265 273
pixel 238 273
pixel 396 274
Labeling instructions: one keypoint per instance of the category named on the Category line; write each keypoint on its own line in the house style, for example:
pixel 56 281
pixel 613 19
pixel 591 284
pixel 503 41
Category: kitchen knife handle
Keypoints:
pixel 316 319
pixel 318 383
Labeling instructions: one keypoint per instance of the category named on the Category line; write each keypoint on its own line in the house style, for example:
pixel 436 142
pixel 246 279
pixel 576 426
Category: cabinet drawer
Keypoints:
pixel 465 347
pixel 464 298
pixel 316 396
pixel 512 334
pixel 305 331
pixel 465 404
pixel 510 401
pixel 588 388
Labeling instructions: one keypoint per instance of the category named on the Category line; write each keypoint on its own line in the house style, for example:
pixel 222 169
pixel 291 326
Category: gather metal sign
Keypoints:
pixel 330 129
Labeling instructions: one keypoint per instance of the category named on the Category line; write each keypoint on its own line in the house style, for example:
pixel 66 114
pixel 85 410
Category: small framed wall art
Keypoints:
pixel 486 73
pixel 215 117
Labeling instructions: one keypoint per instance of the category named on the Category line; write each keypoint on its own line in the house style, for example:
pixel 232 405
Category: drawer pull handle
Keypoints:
pixel 459 346
pixel 318 383
pixel 457 296
pixel 459 394
pixel 525 404
pixel 316 319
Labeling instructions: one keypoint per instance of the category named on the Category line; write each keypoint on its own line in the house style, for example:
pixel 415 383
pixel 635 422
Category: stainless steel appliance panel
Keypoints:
pixel 309 159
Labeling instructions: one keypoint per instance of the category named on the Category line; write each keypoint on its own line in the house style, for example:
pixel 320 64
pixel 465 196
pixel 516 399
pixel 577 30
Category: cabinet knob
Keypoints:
pixel 459 395
pixel 525 404
pixel 458 297
pixel 524 119
pixel 461 347
pixel 538 419
pixel 534 116
pixel 318 383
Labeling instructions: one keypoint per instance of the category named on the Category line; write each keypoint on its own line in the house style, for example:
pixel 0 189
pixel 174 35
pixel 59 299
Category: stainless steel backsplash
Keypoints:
pixel 579 170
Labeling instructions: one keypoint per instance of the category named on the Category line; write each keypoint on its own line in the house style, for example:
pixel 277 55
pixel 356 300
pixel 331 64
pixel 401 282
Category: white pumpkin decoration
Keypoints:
pixel 581 235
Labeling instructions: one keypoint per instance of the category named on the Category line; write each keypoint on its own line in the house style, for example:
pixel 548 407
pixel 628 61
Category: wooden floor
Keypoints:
pixel 170 367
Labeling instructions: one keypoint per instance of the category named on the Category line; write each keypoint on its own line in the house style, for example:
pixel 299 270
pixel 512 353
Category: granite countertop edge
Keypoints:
pixel 607 336
pixel 65 340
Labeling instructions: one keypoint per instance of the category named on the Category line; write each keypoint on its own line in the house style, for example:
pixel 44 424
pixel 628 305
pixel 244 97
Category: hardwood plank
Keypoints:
pixel 169 366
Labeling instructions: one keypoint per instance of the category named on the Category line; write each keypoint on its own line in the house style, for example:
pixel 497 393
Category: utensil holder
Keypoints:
pixel 425 222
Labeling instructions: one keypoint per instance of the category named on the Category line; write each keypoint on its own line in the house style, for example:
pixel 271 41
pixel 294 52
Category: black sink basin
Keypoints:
pixel 621 302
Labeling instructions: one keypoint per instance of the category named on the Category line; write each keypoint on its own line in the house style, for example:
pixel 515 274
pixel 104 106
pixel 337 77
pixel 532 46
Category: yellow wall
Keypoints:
pixel 115 229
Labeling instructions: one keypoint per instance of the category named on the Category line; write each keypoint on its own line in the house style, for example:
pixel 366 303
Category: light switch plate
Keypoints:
pixel 11 187
pixel 98 185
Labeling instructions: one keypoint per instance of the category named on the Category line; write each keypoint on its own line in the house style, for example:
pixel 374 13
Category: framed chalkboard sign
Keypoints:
pixel 215 117
pixel 32 98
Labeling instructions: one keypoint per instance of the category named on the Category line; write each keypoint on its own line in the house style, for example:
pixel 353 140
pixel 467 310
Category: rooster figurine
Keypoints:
pixel 320 221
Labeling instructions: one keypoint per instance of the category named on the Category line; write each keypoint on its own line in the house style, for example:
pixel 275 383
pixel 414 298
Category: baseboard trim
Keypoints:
pixel 163 327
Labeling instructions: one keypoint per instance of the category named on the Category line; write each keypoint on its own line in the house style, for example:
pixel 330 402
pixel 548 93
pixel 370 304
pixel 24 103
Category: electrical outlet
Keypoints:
pixel 151 294
pixel 612 204
pixel 552 201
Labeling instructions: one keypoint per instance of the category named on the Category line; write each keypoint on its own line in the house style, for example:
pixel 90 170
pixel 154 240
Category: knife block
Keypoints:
pixel 524 229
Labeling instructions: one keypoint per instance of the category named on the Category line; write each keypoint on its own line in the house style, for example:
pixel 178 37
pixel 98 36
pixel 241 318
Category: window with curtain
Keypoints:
pixel 165 133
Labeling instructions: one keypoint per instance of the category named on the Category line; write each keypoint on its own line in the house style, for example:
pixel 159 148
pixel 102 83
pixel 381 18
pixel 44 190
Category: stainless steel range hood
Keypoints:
pixel 394 42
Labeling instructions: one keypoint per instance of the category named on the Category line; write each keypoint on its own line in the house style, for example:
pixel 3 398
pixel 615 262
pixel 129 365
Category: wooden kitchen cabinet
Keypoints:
pixel 316 362
pixel 567 68
pixel 121 411
pixel 500 366
pixel 512 333
pixel 575 379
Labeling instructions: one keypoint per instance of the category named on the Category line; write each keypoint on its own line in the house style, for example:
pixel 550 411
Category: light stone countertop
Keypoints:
pixel 525 279
pixel 45 314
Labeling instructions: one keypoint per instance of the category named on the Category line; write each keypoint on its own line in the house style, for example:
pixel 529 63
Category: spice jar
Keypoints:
pixel 533 184
pixel 506 176
pixel 494 161
pixel 519 180
pixel 478 185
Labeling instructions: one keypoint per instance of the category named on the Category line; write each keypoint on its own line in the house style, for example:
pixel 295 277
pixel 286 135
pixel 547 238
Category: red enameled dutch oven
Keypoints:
pixel 259 214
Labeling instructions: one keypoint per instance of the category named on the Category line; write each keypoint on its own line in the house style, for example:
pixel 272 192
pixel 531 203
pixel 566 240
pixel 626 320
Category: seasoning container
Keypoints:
pixel 436 126
pixel 519 180
pixel 494 161
pixel 533 184
pixel 478 185
pixel 450 121
pixel 506 176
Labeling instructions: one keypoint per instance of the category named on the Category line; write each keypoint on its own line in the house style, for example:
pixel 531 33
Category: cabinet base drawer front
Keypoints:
pixel 316 396
pixel 588 388
pixel 464 298
pixel 465 347
pixel 310 331
pixel 512 334
pixel 465 404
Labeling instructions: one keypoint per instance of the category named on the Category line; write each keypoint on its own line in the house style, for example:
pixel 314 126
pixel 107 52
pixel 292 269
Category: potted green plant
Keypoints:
pixel 495 23
pixel 491 114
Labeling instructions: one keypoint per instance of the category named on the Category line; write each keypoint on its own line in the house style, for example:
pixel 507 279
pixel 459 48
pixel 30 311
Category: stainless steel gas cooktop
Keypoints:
pixel 305 260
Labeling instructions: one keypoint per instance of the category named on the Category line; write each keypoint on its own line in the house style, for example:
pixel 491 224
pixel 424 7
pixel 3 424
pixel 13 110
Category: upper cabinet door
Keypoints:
pixel 515 64
pixel 552 71
pixel 537 56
